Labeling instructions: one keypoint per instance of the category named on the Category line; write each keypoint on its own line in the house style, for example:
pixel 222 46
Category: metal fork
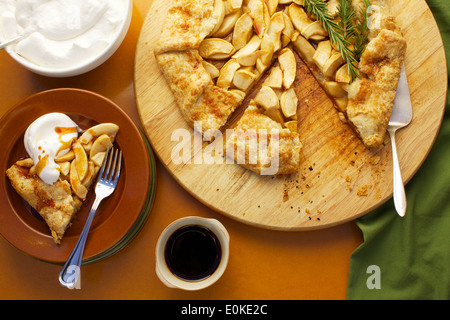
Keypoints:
pixel 107 182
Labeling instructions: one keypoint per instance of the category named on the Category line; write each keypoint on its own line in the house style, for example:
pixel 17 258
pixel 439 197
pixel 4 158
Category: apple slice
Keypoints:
pixel 314 31
pixel 342 75
pixel 219 11
pixel 215 48
pixel 267 98
pixel 256 8
pixel 69 156
pixel 288 26
pixel 228 24
pixel 243 79
pixel 233 5
pixel 275 78
pixel 322 54
pixel 110 129
pixel 211 69
pixel 335 89
pixel 64 168
pixel 299 17
pixel 81 160
pixel 272 6
pixel 252 46
pixel 332 6
pixel 77 187
pixel 242 31
pixel 266 15
pixel 276 28
pixel 341 103
pixel 248 60
pixel 89 179
pixel 98 151
pixel 288 65
pixel 288 103
pixel 333 63
pixel 295 35
pixel 267 50
pixel 227 73
pixel 288 31
pixel 305 49
pixel 275 114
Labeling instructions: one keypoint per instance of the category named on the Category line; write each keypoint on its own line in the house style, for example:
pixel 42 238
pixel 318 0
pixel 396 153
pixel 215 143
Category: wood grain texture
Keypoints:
pixel 339 180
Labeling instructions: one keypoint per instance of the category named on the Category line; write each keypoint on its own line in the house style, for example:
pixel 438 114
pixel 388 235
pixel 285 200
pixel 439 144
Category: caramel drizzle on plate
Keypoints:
pixel 62 131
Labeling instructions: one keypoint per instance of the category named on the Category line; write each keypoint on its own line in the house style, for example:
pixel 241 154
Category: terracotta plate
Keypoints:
pixel 118 216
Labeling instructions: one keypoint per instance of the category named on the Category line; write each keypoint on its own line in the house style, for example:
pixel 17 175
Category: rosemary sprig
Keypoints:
pixel 349 30
pixel 361 30
pixel 346 15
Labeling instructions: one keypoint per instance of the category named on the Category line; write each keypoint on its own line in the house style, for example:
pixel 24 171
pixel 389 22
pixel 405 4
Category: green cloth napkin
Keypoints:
pixel 409 258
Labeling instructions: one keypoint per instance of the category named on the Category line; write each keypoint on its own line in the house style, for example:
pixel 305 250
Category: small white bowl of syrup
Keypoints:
pixel 192 253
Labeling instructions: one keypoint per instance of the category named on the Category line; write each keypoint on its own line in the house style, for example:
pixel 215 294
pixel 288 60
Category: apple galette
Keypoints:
pixel 71 168
pixel 215 53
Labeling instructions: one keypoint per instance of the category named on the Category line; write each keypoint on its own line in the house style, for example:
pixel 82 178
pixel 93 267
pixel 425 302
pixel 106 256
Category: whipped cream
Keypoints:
pixel 61 34
pixel 47 138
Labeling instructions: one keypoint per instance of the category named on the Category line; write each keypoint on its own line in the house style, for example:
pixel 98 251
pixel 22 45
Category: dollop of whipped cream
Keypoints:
pixel 47 138
pixel 61 33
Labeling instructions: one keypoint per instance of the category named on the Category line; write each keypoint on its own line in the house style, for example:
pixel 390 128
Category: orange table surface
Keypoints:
pixel 263 264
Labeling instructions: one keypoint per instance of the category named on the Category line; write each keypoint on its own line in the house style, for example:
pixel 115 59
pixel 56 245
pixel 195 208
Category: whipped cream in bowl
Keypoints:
pixel 62 38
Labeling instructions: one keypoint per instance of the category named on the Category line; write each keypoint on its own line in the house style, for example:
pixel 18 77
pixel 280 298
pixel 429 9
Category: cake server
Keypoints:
pixel 400 118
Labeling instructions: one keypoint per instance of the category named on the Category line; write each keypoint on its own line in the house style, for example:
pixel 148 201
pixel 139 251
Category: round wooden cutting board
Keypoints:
pixel 339 180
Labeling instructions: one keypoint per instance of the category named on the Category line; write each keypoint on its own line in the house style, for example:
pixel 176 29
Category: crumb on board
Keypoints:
pixel 285 196
pixel 363 191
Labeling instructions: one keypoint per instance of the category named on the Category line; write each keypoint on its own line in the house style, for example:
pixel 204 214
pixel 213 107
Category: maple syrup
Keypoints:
pixel 193 252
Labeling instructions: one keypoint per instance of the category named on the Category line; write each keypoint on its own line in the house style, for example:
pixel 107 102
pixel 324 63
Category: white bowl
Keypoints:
pixel 172 281
pixel 85 66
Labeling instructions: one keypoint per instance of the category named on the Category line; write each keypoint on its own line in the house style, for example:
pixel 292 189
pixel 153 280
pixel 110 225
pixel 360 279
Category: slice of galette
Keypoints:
pixel 55 203
pixel 59 202
pixel 265 140
pixel 262 145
